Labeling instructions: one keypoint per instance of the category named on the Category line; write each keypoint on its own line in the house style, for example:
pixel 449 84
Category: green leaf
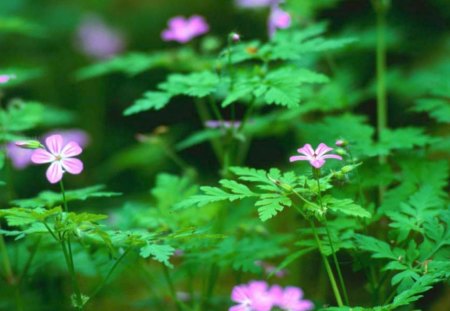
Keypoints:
pixel 158 252
pixel 437 108
pixel 151 100
pixel 198 138
pixel 198 84
pixel 49 198
pixel 345 206
pixel 379 249
pixel 270 205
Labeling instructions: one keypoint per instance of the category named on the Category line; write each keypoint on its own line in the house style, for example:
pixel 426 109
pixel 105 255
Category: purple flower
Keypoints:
pixel 183 30
pixel 60 156
pixel 315 157
pixel 251 297
pixel 257 296
pixel 20 158
pixel 255 3
pixel 6 78
pixel 98 40
pixel 278 19
pixel 225 124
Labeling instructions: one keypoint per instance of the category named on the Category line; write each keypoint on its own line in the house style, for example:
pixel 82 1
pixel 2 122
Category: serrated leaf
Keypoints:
pixel 198 84
pixel 345 206
pixel 270 205
pixel 158 252
pixel 151 100
pixel 50 198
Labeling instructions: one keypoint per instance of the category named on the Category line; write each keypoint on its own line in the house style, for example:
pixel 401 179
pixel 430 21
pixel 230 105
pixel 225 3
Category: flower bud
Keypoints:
pixel 341 151
pixel 341 143
pixel 29 144
pixel 235 37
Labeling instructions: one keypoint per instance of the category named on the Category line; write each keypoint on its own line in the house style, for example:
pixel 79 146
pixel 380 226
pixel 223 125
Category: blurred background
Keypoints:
pixel 53 46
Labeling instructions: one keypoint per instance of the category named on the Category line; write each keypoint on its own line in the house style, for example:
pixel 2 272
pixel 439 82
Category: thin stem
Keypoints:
pixel 172 290
pixel 336 263
pixel 6 263
pixel 68 255
pixel 381 9
pixel 334 286
pixel 108 275
pixel 30 259
pixel 333 252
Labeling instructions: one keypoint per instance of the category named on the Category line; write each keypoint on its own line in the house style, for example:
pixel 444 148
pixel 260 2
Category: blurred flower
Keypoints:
pixel 6 78
pixel 225 124
pixel 257 296
pixel 315 157
pixel 278 19
pixel 341 143
pixel 255 3
pixel 98 40
pixel 289 299
pixel 251 297
pixel 269 269
pixel 21 158
pixel 60 156
pixel 183 30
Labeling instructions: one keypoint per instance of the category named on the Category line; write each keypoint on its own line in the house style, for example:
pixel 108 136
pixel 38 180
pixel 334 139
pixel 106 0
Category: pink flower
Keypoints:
pixel 278 19
pixel 315 157
pixel 290 299
pixel 60 156
pixel 257 296
pixel 6 78
pixel 251 297
pixel 98 40
pixel 183 29
pixel 21 158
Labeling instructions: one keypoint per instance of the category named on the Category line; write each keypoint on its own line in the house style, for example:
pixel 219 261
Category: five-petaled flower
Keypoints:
pixel 315 157
pixel 183 29
pixel 60 156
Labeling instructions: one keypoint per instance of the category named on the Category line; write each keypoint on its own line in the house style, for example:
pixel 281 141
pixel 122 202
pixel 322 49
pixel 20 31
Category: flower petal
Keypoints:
pixel 239 294
pixel 322 149
pixel 54 172
pixel 71 149
pixel 238 308
pixel 317 163
pixel 72 165
pixel 41 156
pixel 298 158
pixel 331 156
pixel 54 144
pixel 307 150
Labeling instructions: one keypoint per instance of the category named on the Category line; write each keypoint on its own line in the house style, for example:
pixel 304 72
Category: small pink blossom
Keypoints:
pixel 183 30
pixel 315 157
pixel 269 269
pixel 278 19
pixel 60 156
pixel 290 299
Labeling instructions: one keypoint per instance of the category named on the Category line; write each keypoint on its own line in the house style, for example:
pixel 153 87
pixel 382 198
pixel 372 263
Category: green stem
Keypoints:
pixel 172 290
pixel 381 9
pixel 68 255
pixel 211 283
pixel 108 275
pixel 333 252
pixel 6 263
pixel 30 259
pixel 334 286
